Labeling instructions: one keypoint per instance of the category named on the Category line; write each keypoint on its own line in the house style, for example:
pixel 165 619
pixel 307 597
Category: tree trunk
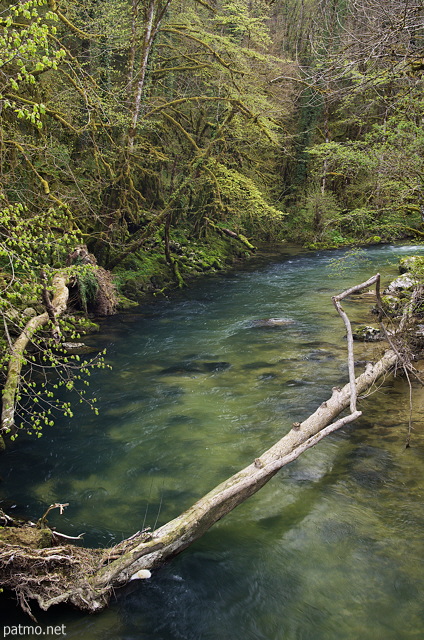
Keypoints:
pixel 153 18
pixel 87 578
pixel 179 533
pixel 11 386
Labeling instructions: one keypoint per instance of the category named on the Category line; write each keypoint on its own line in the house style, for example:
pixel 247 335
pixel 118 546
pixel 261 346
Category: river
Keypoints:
pixel 330 549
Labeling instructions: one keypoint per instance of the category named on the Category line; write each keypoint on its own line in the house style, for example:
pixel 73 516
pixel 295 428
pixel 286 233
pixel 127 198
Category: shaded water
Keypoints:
pixel 330 549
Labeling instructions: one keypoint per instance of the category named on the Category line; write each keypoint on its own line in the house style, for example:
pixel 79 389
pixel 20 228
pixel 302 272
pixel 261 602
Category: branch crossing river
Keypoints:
pixel 330 549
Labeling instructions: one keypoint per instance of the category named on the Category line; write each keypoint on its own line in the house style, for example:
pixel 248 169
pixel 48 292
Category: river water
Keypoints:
pixel 330 549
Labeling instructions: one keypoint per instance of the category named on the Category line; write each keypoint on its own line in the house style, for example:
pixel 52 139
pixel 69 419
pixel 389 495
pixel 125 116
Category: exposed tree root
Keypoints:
pixel 50 575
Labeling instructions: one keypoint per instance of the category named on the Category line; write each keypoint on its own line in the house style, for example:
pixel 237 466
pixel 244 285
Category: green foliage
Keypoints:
pixel 353 258
pixel 25 51
pixel 50 375
pixel 31 250
pixel 317 219
pixel 379 177
pixel 346 159
pixel 140 125
pixel 360 132
pixel 238 201
pixel 88 285
pixel 28 244
pixel 244 21
pixel 147 272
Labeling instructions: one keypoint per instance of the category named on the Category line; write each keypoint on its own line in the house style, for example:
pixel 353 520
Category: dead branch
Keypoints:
pixel 222 231
pixel 57 505
pixel 350 359
pixel 61 536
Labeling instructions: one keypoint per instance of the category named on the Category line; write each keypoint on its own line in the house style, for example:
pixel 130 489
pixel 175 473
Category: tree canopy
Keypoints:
pixel 167 135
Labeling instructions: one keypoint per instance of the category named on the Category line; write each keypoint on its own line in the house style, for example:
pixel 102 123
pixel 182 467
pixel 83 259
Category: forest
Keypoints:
pixel 158 140
pixel 146 142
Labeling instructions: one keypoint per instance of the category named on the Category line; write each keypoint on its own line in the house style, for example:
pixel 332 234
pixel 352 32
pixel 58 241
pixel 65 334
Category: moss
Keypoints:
pixel 125 303
pixel 85 325
pixel 315 246
pixel 367 333
pixel 413 264
pixel 26 537
pixel 147 272
pixel 141 273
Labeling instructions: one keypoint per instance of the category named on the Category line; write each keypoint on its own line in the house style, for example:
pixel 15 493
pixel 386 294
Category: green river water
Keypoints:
pixel 330 549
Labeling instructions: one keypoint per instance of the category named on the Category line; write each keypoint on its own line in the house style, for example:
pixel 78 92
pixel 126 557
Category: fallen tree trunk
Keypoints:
pixel 177 534
pixel 16 361
pixel 87 577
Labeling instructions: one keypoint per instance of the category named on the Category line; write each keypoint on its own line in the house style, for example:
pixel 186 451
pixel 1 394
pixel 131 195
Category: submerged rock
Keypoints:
pixel 320 354
pixel 188 368
pixel 259 364
pixel 369 478
pixel 334 531
pixel 213 367
pixel 182 369
pixel 271 322
pixel 268 375
pixel 297 383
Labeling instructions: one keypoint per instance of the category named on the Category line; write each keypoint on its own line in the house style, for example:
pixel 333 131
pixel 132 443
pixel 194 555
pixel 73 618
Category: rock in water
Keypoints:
pixel 367 333
pixel 215 367
pixel 272 322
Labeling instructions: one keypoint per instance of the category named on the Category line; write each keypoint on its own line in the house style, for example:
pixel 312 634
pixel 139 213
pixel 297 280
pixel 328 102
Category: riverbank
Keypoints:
pixel 155 272
pixel 147 274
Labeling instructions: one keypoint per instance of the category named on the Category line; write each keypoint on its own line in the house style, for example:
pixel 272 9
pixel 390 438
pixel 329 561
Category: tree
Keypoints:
pixel 157 122
pixel 32 252
pixel 380 196
pixel 360 69
pixel 109 137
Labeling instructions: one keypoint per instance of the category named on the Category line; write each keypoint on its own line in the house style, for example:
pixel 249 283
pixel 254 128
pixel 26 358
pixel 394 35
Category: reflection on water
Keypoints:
pixel 331 548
